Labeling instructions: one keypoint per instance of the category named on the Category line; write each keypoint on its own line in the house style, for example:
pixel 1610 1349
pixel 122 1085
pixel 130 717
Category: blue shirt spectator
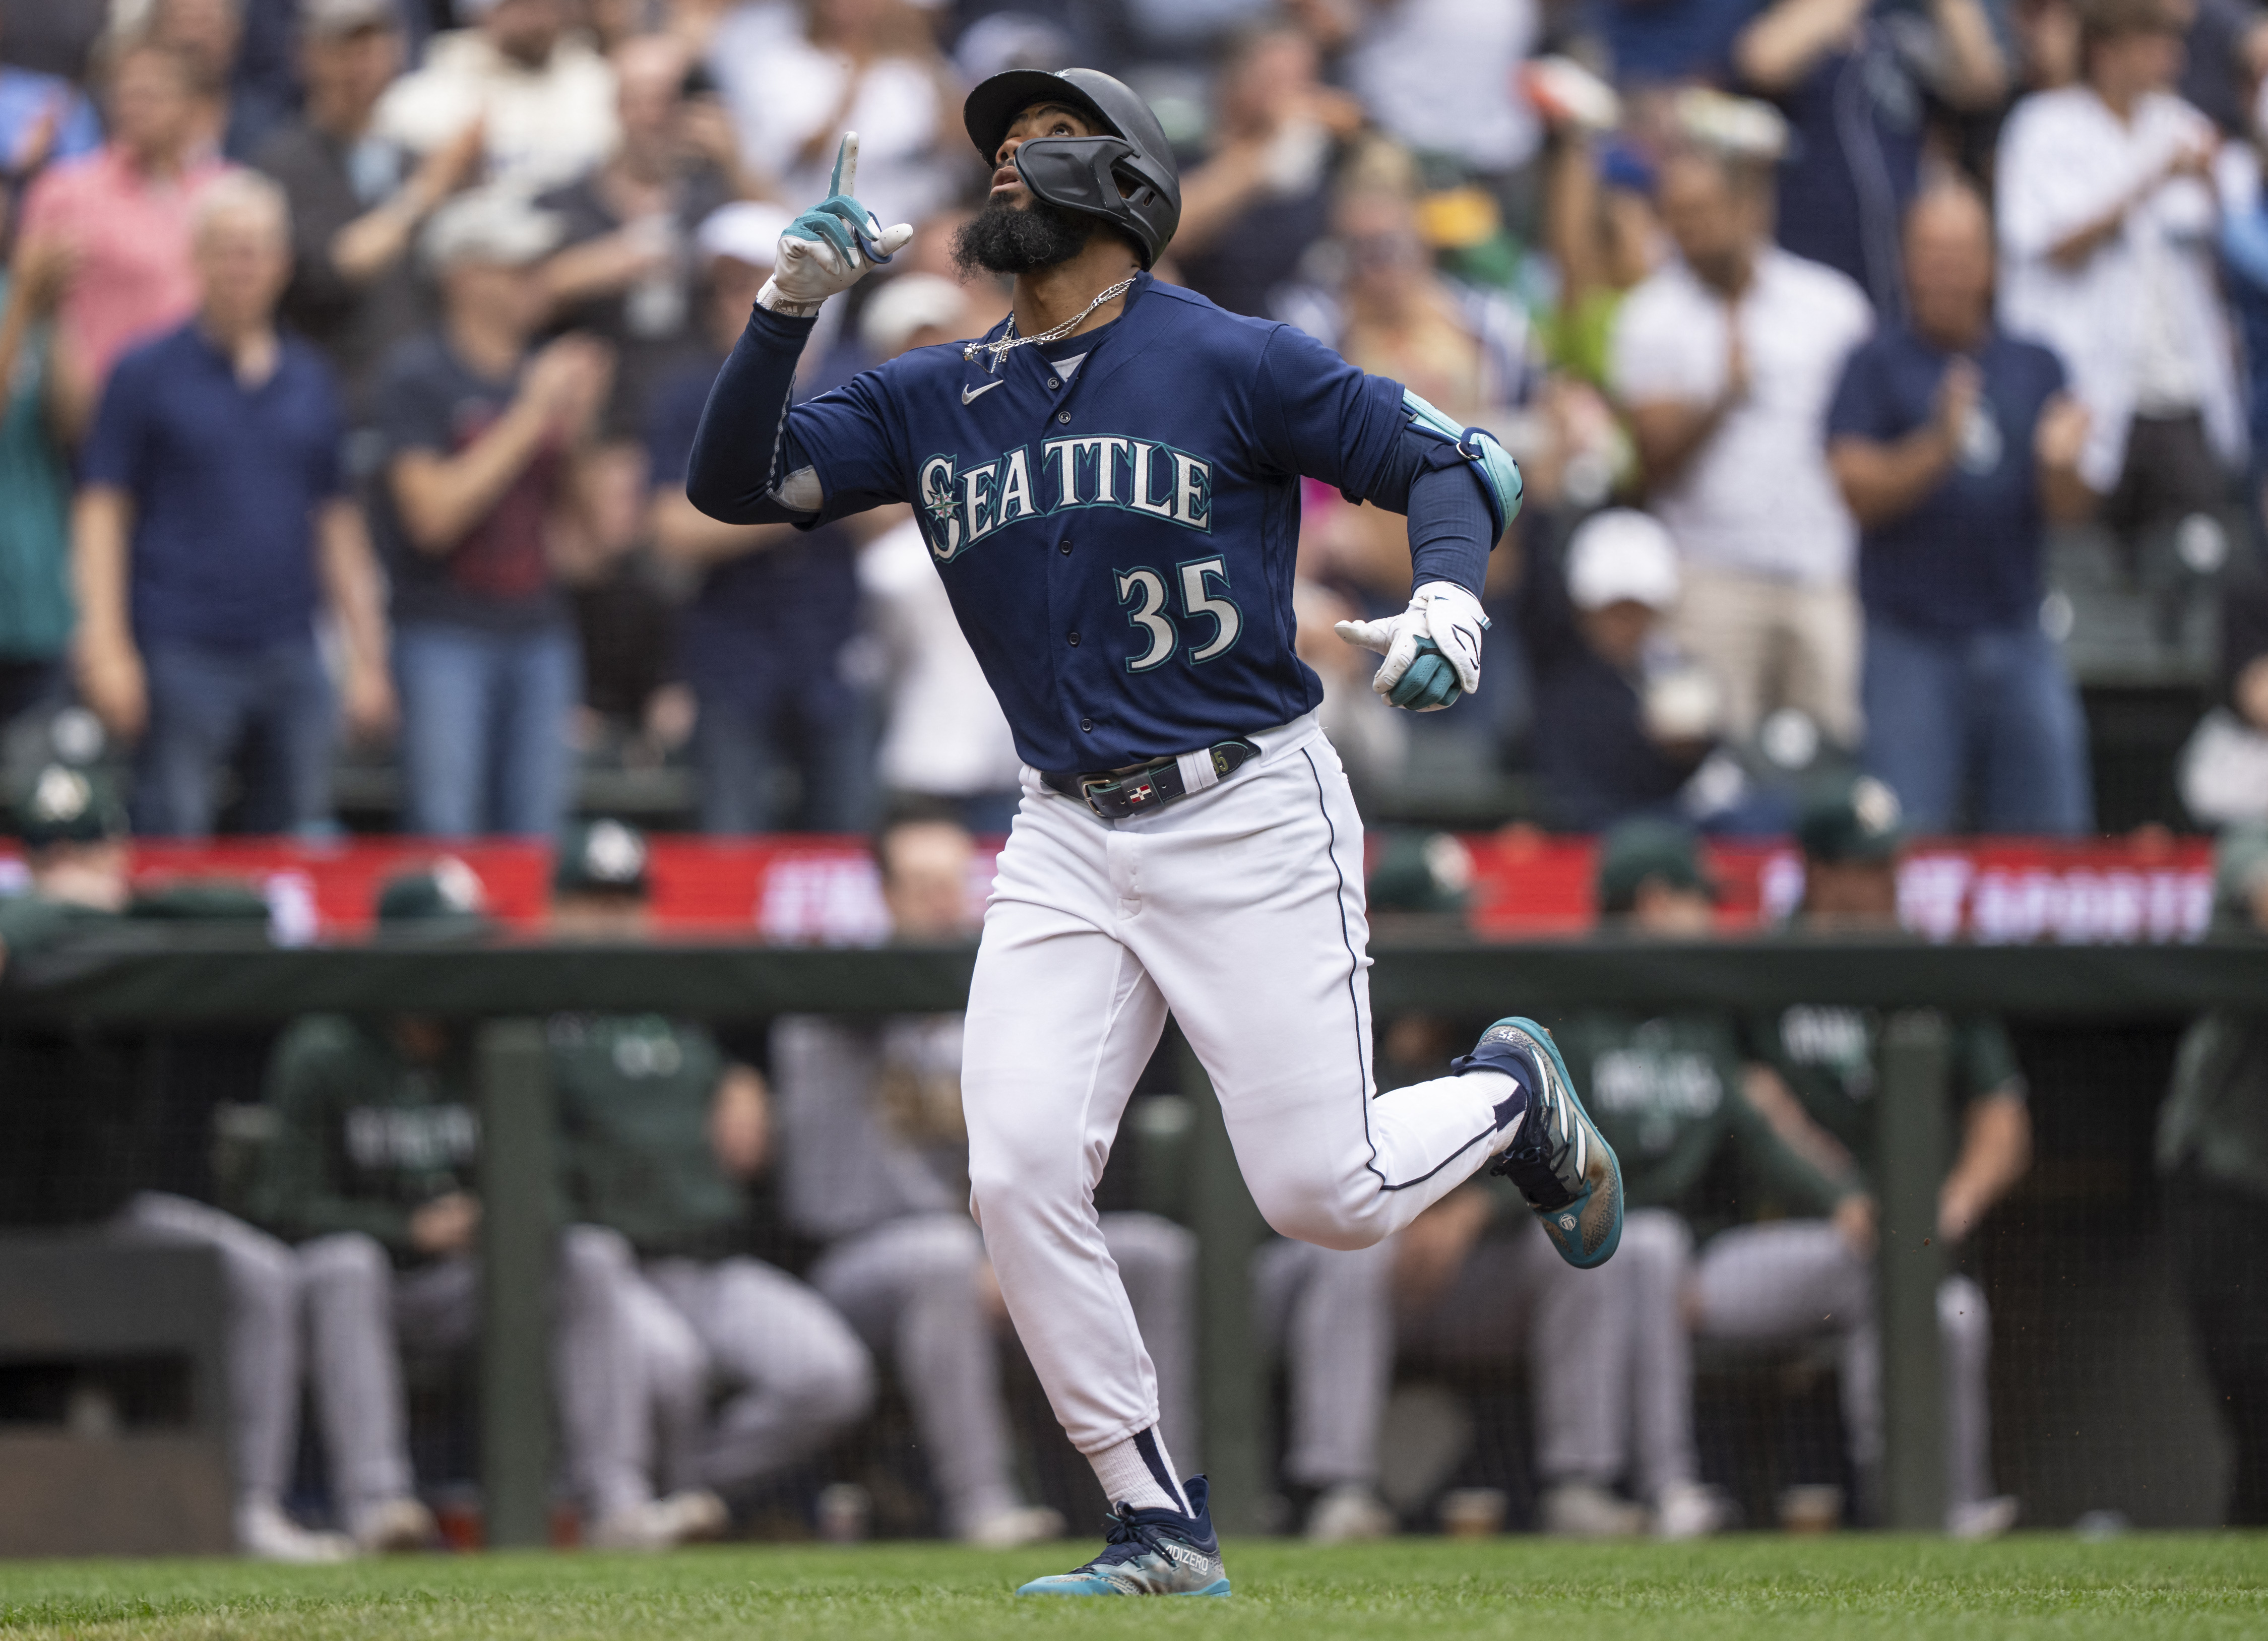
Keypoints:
pixel 1954 445
pixel 213 520
pixel 1968 554
pixel 28 101
pixel 226 481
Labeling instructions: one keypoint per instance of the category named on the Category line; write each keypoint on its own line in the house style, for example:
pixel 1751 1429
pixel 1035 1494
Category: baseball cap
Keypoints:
pixel 601 857
pixel 907 305
pixel 1645 850
pixel 332 20
pixel 1622 554
pixel 747 230
pixel 445 897
pixel 1858 821
pixel 489 225
pixel 1429 873
pixel 62 805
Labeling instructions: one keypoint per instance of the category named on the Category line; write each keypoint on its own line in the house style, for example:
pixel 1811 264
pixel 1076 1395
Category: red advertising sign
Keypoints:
pixel 822 890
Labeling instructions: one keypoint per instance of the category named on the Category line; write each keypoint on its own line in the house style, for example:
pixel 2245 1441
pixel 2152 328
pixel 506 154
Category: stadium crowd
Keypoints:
pixel 1866 363
pixel 1862 359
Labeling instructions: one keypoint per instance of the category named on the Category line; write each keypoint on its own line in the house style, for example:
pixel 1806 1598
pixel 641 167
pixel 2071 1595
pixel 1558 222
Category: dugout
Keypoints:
pixel 2097 1402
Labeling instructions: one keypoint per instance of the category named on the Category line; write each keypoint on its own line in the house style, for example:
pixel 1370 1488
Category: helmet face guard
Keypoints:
pixel 1095 176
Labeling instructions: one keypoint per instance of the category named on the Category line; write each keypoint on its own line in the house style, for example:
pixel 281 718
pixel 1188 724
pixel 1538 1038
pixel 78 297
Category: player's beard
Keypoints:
pixel 1004 238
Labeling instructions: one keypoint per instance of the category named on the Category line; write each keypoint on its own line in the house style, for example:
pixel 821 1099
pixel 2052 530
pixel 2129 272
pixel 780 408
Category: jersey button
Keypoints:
pixel 1054 382
pixel 1062 415
pixel 1087 724
pixel 1064 549
pixel 1073 639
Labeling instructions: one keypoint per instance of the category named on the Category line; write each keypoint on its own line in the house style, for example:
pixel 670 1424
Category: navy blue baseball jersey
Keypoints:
pixel 1118 541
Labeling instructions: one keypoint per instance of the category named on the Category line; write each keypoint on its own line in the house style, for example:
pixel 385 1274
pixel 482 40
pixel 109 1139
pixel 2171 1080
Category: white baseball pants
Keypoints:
pixel 1240 910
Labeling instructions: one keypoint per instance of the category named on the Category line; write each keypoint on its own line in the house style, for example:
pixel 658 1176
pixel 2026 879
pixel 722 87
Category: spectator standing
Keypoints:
pixel 544 99
pixel 625 270
pixel 1725 360
pixel 124 212
pixel 1250 212
pixel 1438 76
pixel 2212 1150
pixel 214 524
pixel 1955 444
pixel 761 642
pixel 662 1138
pixel 481 445
pixel 358 199
pixel 868 66
pixel 2107 220
pixel 1854 82
pixel 43 117
pixel 35 604
pixel 2224 768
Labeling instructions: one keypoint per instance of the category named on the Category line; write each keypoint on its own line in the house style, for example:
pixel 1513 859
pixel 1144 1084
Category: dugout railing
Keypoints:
pixel 177 977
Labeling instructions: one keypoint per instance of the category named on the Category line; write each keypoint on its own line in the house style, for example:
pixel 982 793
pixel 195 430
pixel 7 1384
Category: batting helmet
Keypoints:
pixel 1126 178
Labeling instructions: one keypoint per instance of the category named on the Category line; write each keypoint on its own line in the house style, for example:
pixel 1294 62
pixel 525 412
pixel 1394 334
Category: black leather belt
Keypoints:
pixel 1122 794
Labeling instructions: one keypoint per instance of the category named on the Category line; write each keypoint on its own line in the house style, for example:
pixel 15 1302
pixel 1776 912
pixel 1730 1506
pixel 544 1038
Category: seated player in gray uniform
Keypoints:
pixel 1770 1281
pixel 74 834
pixel 374 1174
pixel 1693 1124
pixel 660 1138
pixel 876 1169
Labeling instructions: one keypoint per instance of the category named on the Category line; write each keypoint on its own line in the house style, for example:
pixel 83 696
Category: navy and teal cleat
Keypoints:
pixel 1558 1159
pixel 1150 1552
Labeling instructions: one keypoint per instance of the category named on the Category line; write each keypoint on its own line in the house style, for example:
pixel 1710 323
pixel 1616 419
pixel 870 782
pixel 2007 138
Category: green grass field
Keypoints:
pixel 2130 1588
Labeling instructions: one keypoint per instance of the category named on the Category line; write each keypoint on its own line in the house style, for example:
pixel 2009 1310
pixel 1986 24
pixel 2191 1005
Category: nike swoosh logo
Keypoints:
pixel 968 394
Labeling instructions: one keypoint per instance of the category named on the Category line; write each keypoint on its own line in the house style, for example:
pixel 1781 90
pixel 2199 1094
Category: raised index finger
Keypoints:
pixel 845 179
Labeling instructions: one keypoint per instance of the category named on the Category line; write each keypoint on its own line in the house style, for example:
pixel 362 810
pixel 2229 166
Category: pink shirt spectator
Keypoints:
pixel 134 278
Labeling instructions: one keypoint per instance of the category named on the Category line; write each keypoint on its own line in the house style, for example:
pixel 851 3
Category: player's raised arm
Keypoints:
pixel 746 469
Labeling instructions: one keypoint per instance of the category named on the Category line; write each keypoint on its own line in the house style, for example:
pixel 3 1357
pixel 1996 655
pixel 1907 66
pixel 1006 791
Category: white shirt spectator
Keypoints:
pixel 1438 74
pixel 783 90
pixel 1757 497
pixel 946 736
pixel 545 127
pixel 2138 323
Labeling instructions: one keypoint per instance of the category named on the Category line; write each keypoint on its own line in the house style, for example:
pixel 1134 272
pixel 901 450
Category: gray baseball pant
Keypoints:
pixel 793 1372
pixel 1329 1315
pixel 909 1288
pixel 1515 1292
pixel 262 1285
pixel 363 1315
pixel 1799 1278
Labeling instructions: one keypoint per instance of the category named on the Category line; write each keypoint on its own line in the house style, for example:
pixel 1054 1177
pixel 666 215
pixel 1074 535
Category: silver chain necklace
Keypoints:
pixel 1011 340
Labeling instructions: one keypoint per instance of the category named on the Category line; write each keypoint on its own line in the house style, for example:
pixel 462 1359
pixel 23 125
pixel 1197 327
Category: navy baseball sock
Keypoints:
pixel 1509 1104
pixel 1139 1471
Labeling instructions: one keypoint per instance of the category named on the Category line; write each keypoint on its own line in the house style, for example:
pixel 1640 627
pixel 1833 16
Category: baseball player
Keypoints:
pixel 1773 1282
pixel 1109 484
pixel 877 1170
pixel 661 1137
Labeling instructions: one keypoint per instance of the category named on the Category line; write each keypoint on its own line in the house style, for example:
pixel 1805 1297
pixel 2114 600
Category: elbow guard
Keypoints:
pixel 1499 473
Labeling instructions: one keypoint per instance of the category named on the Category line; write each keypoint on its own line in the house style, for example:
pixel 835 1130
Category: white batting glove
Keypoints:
pixel 830 246
pixel 1433 648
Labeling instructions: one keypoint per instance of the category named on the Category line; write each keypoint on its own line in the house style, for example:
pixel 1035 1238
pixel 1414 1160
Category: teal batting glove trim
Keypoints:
pixel 1499 473
pixel 1430 684
pixel 843 223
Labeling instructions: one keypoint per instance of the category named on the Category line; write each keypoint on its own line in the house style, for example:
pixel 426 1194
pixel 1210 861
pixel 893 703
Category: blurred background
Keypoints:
pixel 1885 377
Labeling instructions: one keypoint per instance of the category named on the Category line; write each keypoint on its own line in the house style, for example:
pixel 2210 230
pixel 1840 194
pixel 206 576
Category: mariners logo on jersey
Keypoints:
pixel 965 505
